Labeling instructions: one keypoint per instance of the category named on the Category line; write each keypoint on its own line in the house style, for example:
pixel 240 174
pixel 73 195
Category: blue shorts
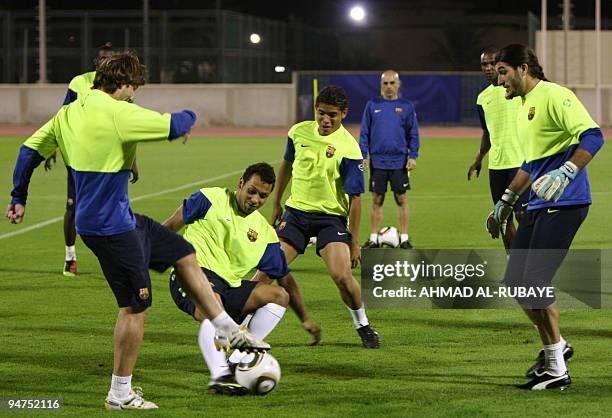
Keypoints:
pixel 541 243
pixel 233 298
pixel 296 227
pixel 499 180
pixel 126 258
pixel 400 182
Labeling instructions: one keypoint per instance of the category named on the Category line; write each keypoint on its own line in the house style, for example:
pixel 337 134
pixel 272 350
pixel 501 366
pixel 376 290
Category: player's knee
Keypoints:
pixel 378 199
pixel 400 198
pixel 279 296
pixel 342 279
pixel 187 261
pixel 139 312
pixel 261 277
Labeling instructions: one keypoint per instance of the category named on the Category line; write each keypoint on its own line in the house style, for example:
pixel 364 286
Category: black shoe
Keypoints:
pixel 370 244
pixel 568 353
pixel 369 336
pixel 544 380
pixel 227 385
pixel 406 245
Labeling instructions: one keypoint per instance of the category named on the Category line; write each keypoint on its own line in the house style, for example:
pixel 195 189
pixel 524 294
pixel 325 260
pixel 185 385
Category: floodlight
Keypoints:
pixel 255 38
pixel 357 13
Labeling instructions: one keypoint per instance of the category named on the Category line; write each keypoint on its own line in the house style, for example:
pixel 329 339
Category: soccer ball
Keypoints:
pixel 258 372
pixel 388 236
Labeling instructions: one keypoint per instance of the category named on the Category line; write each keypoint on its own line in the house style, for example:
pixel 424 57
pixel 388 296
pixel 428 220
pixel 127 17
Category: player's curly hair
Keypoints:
pixel 333 96
pixel 263 170
pixel 517 54
pixel 120 69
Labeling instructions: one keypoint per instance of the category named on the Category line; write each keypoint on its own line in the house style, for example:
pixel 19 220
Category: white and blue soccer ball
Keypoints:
pixel 388 236
pixel 258 372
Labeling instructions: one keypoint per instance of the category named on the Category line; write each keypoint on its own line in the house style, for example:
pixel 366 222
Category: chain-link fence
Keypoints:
pixel 185 46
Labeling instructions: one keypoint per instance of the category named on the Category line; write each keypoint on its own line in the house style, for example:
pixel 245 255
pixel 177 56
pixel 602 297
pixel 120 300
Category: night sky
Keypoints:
pixel 331 13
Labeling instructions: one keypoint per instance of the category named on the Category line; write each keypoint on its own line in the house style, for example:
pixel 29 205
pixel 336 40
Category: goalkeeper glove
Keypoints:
pixel 496 221
pixel 551 185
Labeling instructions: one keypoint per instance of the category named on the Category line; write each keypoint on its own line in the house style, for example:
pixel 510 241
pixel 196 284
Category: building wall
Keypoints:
pixel 573 64
pixel 235 105
pixel 217 105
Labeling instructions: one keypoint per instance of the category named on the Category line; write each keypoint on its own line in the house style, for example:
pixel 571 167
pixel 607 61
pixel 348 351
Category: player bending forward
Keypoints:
pixel 231 238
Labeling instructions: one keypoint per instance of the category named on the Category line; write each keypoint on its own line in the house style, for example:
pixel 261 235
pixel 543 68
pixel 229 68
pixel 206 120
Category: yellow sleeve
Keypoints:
pixel 44 140
pixel 136 124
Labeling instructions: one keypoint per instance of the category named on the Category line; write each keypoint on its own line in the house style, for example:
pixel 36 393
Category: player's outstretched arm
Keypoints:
pixel 296 301
pixel 282 180
pixel 27 160
pixel 299 307
pixel 138 124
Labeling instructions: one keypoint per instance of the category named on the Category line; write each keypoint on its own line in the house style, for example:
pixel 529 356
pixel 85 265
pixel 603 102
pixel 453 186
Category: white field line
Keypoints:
pixel 145 196
pixel 202 182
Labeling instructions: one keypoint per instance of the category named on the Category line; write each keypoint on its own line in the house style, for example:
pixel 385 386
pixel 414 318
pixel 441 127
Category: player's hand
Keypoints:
pixel 496 221
pixel 15 213
pixel 355 254
pixel 314 330
pixel 185 137
pixel 411 164
pixel 50 162
pixel 551 185
pixel 366 165
pixel 134 173
pixel 277 212
pixel 475 167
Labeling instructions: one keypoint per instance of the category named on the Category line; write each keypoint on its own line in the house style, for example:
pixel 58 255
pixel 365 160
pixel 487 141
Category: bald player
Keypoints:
pixel 390 135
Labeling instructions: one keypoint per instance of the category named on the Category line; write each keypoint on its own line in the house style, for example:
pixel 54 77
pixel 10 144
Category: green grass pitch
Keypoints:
pixel 57 332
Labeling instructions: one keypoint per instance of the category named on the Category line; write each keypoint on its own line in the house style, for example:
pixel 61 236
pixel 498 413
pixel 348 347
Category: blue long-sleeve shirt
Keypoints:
pixel 389 133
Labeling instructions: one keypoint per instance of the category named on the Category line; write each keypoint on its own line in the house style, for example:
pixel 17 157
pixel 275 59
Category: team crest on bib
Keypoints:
pixel 531 113
pixel 330 151
pixel 143 293
pixel 252 235
pixel 398 110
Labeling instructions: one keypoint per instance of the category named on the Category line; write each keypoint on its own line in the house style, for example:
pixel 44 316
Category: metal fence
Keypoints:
pixel 185 46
